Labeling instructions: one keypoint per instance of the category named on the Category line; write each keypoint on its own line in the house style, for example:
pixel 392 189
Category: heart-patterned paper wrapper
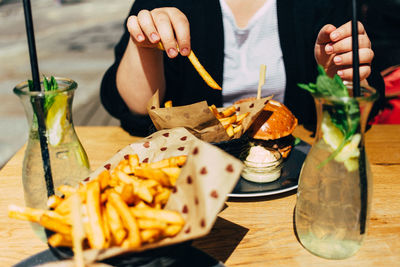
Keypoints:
pixel 206 179
pixel 200 120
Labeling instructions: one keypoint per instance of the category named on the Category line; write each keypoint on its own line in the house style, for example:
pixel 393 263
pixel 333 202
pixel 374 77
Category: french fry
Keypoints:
pixel 127 219
pixel 200 69
pixel 104 179
pixel 64 207
pixel 173 173
pixel 55 225
pixel 228 120
pixel 96 236
pixel 172 230
pixel 167 216
pixel 24 213
pixel 66 190
pixel 229 111
pixel 60 240
pixel 107 231
pixel 78 231
pixel 114 222
pixel 150 235
pixel 150 173
pixel 168 104
pixel 123 177
pixel 241 117
pixel 53 201
pixel 144 193
pixel 133 161
pixel 142 204
pixel 162 197
pixel 215 111
pixel 151 224
pixel 127 194
pixel 230 131
pixel 177 161
pixel 157 164
pixel 237 129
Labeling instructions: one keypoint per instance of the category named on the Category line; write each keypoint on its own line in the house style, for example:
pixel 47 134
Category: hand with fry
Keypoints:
pixel 142 63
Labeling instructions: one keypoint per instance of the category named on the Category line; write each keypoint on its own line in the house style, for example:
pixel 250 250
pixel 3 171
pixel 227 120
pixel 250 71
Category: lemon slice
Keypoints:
pixel 330 133
pixel 350 150
pixel 55 120
pixel 351 164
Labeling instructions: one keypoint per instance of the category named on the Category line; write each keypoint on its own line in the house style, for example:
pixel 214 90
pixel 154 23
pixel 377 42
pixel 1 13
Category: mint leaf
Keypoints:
pixel 53 83
pixel 46 84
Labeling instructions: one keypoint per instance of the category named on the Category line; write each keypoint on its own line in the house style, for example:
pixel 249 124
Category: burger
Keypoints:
pixel 274 127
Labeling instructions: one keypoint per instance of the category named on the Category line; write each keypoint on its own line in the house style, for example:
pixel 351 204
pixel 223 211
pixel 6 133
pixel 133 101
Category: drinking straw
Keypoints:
pixel 356 59
pixel 357 93
pixel 37 101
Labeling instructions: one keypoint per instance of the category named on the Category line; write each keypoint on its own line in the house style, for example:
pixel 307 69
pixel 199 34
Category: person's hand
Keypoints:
pixel 333 50
pixel 168 25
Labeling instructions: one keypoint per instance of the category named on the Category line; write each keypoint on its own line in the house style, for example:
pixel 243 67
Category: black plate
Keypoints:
pixel 289 177
pixel 172 256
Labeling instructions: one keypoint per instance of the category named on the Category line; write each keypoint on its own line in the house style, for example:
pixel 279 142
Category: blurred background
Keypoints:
pixel 74 39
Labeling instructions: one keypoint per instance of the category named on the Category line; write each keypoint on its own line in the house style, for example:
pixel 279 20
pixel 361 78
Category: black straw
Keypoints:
pixel 38 102
pixel 356 59
pixel 31 44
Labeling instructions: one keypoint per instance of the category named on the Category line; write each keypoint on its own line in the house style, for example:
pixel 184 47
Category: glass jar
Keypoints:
pixel 68 160
pixel 261 164
pixel 334 193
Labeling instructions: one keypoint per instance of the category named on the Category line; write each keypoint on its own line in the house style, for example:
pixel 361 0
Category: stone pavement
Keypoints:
pixel 73 40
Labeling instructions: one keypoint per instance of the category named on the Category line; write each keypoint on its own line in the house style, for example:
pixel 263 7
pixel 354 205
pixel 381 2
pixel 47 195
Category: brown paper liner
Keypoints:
pixel 206 179
pixel 199 120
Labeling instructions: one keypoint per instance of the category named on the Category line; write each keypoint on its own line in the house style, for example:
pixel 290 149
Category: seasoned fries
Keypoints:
pixel 228 117
pixel 120 207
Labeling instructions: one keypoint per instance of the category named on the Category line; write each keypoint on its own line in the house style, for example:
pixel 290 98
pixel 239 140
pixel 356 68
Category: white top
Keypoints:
pixel 246 49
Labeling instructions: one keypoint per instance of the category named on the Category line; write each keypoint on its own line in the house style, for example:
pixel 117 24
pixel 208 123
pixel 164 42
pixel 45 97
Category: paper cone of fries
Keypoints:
pixel 201 121
pixel 195 198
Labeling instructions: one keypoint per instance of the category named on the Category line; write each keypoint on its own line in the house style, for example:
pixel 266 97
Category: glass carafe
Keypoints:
pixel 334 193
pixel 68 160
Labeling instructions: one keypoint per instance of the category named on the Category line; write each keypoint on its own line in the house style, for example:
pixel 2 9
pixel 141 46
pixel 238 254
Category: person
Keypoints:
pixel 231 38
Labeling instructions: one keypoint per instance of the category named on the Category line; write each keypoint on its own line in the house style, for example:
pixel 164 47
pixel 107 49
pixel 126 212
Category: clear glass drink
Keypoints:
pixel 68 160
pixel 334 192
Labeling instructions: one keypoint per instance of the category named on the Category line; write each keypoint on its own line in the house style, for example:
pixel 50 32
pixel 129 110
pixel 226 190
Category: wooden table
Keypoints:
pixel 248 232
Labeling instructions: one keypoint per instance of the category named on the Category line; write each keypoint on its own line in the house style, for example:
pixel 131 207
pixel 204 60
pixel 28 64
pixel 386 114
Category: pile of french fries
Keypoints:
pixel 228 117
pixel 120 207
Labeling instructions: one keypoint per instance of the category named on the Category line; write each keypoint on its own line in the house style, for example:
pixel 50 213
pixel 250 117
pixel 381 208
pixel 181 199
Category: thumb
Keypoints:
pixel 323 35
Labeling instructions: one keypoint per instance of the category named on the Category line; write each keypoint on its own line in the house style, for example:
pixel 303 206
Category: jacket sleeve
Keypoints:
pixel 135 124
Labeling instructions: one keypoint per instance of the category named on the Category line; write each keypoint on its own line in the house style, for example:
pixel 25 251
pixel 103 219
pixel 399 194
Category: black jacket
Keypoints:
pixel 299 23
